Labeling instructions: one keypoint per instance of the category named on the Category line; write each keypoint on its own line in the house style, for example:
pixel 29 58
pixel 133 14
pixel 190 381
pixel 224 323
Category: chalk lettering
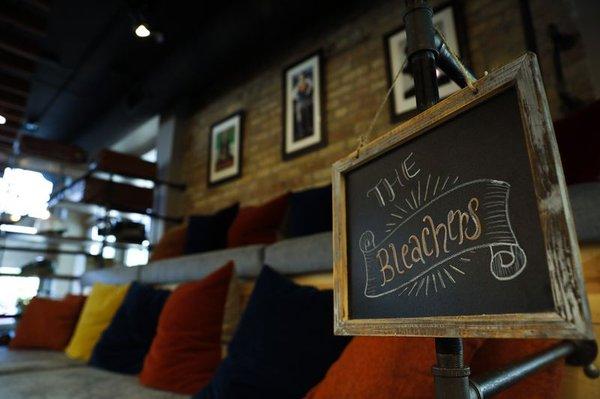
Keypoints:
pixel 406 167
pixel 384 191
pixel 385 266
pixel 473 206
pixel 416 249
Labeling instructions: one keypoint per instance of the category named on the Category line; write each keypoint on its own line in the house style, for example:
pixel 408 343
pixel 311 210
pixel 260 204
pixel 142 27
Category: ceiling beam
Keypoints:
pixel 22 19
pixel 40 147
pixel 13 63
pixel 19 46
pixel 42 5
pixel 11 114
pixel 13 84
pixel 18 120
pixel 10 126
pixel 9 100
pixel 7 133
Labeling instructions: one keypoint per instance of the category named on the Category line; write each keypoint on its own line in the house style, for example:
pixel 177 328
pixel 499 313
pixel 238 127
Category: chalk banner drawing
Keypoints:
pixel 433 234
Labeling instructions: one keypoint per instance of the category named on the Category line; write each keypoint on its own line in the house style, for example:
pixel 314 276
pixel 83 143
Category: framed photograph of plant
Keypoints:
pixel 225 149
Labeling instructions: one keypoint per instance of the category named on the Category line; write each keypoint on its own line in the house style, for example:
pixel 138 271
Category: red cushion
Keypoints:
pixel 384 367
pixel 187 348
pixel 258 224
pixel 48 323
pixel 171 244
pixel 497 353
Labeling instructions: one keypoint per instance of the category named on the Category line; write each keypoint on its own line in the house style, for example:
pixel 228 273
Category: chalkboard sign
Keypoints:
pixel 457 223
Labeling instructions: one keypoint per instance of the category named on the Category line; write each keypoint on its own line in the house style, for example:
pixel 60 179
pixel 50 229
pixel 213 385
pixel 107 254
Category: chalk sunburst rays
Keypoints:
pixel 437 280
pixel 441 277
pixel 418 198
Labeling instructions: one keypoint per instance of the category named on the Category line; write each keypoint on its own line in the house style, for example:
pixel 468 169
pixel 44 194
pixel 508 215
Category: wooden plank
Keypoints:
pixel 13 118
pixel 14 84
pixel 37 146
pixel 571 315
pixel 11 114
pixel 22 19
pixel 575 384
pixel 10 126
pixel 19 45
pixel 14 63
pixel 42 5
pixel 12 102
pixel 125 164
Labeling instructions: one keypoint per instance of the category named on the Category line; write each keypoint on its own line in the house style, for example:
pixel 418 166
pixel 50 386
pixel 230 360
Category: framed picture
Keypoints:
pixel 225 149
pixel 303 121
pixel 447 19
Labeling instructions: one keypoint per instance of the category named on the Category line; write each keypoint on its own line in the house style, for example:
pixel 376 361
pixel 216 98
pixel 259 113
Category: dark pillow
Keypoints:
pixel 309 212
pixel 258 224
pixel 578 143
pixel 284 343
pixel 124 344
pixel 207 233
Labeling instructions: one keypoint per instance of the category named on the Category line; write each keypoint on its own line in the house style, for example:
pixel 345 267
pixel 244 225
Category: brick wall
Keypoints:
pixel 355 78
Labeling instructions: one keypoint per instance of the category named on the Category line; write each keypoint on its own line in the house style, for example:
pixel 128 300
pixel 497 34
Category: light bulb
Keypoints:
pixel 142 31
pixel 2 120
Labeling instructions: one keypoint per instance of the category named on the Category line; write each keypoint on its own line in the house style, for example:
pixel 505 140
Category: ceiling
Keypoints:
pixel 93 80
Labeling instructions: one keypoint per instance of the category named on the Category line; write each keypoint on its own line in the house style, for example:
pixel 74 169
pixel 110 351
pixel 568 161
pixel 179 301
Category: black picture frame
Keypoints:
pixel 320 133
pixel 460 33
pixel 238 118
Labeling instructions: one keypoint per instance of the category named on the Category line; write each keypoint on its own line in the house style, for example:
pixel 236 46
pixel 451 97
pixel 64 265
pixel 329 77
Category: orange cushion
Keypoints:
pixel 171 244
pixel 187 348
pixel 384 367
pixel 48 323
pixel 497 353
pixel 258 224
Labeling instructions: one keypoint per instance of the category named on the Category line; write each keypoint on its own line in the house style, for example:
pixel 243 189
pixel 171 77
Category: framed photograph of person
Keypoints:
pixel 225 149
pixel 447 19
pixel 303 105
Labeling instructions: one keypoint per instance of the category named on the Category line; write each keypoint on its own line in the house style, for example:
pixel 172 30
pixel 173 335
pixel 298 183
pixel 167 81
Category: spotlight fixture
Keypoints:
pixel 142 30
pixel 2 119
pixel 31 126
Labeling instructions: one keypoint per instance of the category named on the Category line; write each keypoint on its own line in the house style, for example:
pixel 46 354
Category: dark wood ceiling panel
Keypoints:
pixel 12 101
pixel 13 118
pixel 19 45
pixel 13 84
pixel 13 14
pixel 11 114
pixel 16 64
pixel 10 126
pixel 42 5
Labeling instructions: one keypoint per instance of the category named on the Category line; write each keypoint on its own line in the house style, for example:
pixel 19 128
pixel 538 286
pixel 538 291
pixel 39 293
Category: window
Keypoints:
pixel 24 192
pixel 150 156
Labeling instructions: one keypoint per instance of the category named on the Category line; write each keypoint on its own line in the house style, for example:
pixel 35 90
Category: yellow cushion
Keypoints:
pixel 99 309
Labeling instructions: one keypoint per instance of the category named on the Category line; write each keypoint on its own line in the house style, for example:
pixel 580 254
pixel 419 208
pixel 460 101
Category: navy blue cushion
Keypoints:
pixel 209 232
pixel 283 346
pixel 309 212
pixel 124 344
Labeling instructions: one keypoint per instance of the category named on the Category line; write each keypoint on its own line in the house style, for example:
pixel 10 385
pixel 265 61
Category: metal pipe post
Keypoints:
pixel 577 353
pixel 450 375
pixel 421 52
